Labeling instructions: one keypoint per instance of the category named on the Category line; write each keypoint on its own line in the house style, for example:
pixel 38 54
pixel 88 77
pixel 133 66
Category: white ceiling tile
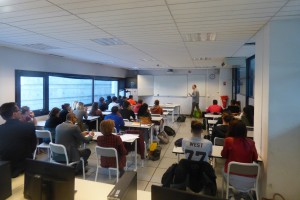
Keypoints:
pixel 24 6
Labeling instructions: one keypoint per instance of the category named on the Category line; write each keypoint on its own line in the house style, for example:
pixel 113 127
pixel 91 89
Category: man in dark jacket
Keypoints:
pixel 17 139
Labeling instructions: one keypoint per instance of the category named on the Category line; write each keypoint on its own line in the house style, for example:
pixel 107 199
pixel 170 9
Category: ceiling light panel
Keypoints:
pixel 109 41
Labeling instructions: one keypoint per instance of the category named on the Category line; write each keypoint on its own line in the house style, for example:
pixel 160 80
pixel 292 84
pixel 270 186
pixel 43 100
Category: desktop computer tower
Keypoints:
pixel 5 180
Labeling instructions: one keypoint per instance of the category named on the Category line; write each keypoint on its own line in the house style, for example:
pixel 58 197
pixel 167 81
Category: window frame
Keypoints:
pixel 45 75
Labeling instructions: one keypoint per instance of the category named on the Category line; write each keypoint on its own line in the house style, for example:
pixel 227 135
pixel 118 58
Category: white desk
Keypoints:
pixel 156 119
pixel 216 152
pixel 172 108
pixel 141 126
pixel 106 113
pixel 125 138
pixel 40 124
pixel 93 118
pixel 86 190
pixel 209 115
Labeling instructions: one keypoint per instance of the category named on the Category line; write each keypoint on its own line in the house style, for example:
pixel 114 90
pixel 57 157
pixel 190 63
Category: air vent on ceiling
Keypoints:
pixel 234 62
pixel 108 41
pixel 40 46
pixel 197 37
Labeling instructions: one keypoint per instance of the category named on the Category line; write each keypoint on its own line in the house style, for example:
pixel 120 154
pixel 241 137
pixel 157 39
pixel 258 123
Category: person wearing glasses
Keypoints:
pixel 17 139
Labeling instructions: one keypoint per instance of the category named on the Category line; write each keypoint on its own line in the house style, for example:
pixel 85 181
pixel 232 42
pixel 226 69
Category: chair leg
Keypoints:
pixel 34 153
pixel 117 172
pixel 83 168
pixel 96 173
pixel 109 175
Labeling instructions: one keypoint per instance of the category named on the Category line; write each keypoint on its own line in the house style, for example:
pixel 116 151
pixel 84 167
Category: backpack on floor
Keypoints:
pixel 163 137
pixel 169 131
pixel 154 153
pixel 181 118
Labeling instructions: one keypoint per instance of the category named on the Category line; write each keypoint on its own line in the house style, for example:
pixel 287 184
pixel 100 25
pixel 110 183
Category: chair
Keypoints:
pixel 115 130
pixel 61 150
pixel 242 169
pixel 218 141
pixel 42 134
pixel 107 152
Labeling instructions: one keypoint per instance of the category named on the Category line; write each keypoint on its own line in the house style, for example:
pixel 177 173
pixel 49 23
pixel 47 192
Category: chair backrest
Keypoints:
pixel 106 151
pixel 155 115
pixel 248 169
pixel 43 134
pixel 115 130
pixel 218 141
pixel 58 149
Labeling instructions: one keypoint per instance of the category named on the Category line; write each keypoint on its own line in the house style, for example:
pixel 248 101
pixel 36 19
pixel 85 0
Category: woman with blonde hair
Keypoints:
pixel 112 141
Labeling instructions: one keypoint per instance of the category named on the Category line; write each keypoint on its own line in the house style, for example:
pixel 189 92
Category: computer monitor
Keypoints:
pixel 163 193
pixel 126 188
pixel 48 181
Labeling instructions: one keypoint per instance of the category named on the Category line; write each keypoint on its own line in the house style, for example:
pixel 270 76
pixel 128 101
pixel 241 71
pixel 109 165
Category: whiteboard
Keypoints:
pixel 200 81
pixel 170 85
pixel 145 85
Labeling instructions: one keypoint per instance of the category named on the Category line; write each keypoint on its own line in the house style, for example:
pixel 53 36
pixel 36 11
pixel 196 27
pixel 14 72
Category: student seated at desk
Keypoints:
pixel 127 112
pixel 144 115
pixel 248 115
pixel 196 148
pixel 234 109
pixel 156 109
pixel 221 130
pixel 215 108
pixel 137 106
pixel 130 100
pixel 81 112
pixel 116 117
pixel 113 103
pixel 65 109
pixel 113 141
pixel 239 148
pixel 95 111
pixel 52 122
pixel 103 106
pixel 27 115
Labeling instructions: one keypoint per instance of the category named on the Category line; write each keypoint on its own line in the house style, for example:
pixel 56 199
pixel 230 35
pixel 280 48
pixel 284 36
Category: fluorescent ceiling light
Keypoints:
pixel 197 37
pixel 108 41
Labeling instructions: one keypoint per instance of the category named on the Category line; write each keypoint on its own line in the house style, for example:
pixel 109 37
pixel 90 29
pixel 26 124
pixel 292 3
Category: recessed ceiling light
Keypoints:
pixel 40 46
pixel 197 37
pixel 108 41
pixel 201 58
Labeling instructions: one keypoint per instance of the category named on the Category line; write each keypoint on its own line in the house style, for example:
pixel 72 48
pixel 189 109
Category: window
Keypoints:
pixel 105 88
pixel 42 91
pixel 67 90
pixel 32 92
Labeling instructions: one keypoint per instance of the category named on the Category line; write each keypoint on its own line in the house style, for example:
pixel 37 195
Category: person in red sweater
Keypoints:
pixel 114 141
pixel 137 106
pixel 237 147
pixel 130 100
pixel 215 108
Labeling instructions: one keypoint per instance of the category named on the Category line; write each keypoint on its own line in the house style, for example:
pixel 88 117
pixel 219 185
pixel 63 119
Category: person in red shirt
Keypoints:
pixel 215 108
pixel 130 100
pixel 114 141
pixel 156 109
pixel 137 106
pixel 237 147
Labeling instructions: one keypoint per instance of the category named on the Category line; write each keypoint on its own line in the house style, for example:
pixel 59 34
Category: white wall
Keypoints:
pixel 276 103
pixel 213 88
pixel 11 59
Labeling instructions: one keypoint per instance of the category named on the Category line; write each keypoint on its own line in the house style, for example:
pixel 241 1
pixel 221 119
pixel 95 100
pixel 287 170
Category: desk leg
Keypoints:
pixel 151 135
pixel 135 151
pixel 97 125
pixel 173 115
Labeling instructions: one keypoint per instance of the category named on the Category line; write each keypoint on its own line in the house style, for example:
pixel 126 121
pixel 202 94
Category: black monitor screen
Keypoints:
pixel 162 193
pixel 48 181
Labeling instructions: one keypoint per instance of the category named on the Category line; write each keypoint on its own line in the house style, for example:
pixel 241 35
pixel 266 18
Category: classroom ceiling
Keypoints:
pixel 140 34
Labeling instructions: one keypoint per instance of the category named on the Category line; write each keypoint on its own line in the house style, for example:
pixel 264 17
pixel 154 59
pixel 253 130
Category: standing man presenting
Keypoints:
pixel 195 99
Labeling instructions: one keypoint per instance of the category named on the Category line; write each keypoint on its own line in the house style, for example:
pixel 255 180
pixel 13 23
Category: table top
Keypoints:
pixel 40 123
pixel 212 121
pixel 124 138
pixel 209 115
pixel 216 152
pixel 92 118
pixel 137 125
pixel 84 190
pixel 156 118
pixel 106 112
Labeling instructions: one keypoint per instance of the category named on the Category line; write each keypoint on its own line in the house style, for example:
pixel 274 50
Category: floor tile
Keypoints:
pixel 141 185
pixel 158 175
pixel 145 173
pixel 166 162
pixel 148 188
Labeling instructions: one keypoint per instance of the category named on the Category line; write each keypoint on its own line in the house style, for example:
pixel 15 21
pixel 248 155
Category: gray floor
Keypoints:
pixel 152 171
